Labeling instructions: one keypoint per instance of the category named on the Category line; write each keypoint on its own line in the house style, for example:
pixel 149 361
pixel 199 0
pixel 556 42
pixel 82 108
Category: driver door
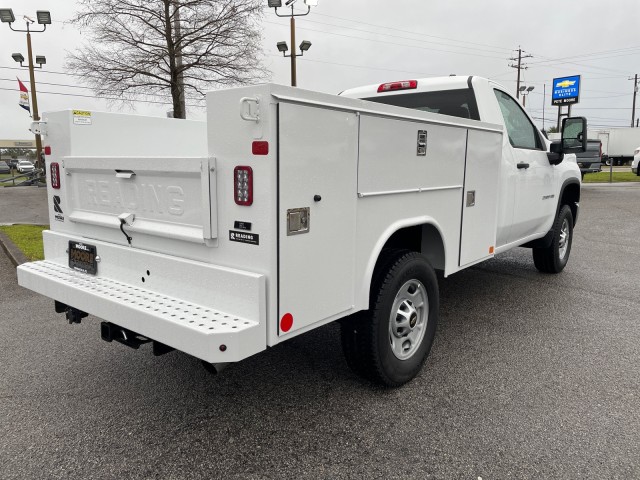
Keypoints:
pixel 533 175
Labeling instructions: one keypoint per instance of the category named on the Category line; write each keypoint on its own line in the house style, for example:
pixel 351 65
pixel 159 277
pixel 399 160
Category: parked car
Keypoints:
pixel 591 160
pixel 13 163
pixel 25 166
pixel 4 168
pixel 636 159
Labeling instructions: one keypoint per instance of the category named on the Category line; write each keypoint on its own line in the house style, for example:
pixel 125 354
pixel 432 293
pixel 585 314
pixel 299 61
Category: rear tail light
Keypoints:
pixel 243 185
pixel 402 85
pixel 55 174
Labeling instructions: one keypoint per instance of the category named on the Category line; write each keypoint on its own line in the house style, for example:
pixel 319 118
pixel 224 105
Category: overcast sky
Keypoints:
pixel 360 42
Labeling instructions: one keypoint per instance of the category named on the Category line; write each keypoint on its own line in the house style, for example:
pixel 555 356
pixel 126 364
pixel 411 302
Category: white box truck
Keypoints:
pixel 618 144
pixel 289 209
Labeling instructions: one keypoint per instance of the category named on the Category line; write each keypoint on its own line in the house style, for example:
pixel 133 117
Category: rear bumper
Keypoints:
pixel 194 307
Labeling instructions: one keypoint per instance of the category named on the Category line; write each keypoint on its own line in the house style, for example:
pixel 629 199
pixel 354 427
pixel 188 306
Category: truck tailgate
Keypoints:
pixel 168 197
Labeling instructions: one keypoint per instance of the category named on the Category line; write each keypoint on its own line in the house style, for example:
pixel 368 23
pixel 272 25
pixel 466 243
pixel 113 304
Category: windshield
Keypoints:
pixel 456 103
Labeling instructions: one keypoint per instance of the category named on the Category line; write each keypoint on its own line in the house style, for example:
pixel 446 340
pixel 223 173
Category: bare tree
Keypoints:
pixel 151 47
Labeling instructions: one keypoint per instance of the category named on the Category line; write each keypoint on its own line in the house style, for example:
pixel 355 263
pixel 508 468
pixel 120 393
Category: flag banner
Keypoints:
pixel 24 97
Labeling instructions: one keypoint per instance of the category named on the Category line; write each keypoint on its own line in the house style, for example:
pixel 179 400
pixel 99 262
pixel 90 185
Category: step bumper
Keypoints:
pixel 200 329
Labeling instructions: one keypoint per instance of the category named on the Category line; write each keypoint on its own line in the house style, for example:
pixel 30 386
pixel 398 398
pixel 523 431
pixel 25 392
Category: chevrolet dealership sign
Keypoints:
pixel 566 90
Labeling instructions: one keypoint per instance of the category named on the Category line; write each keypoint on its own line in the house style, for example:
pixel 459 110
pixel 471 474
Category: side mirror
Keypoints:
pixel 574 135
pixel 555 154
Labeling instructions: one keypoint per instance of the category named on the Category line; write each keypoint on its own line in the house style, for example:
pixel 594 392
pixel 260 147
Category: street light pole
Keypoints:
pixel 44 19
pixel 34 99
pixel 282 46
pixel 294 81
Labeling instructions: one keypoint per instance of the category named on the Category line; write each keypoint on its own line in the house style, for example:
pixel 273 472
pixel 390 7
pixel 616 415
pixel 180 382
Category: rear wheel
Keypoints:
pixel 552 259
pixel 389 343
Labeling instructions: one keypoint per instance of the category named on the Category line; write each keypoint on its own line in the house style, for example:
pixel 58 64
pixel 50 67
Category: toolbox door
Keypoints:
pixel 480 197
pixel 318 153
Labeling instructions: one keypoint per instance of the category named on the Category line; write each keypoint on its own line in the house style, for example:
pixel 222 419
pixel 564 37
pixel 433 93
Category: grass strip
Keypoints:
pixel 28 238
pixel 603 177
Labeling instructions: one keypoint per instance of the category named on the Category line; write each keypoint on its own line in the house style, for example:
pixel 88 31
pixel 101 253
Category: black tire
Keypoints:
pixel 554 258
pixel 369 337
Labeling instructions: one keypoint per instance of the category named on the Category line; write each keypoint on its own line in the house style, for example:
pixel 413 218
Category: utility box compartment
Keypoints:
pixel 318 157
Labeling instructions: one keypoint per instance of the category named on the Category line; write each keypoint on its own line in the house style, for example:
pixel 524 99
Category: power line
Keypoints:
pixel 401 37
pixel 100 97
pixel 47 83
pixel 422 34
pixel 389 43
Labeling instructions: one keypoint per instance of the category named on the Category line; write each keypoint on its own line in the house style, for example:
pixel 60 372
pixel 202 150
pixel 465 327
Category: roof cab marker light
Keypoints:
pixel 243 185
pixel 55 175
pixel 401 85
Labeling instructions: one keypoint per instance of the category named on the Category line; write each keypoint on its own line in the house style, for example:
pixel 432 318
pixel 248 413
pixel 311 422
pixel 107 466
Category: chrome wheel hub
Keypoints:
pixel 408 319
pixel 563 244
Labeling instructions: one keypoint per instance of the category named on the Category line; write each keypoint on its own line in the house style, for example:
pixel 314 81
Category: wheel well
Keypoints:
pixel 425 239
pixel 571 197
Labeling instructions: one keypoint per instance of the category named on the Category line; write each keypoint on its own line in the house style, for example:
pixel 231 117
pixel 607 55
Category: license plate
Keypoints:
pixel 82 257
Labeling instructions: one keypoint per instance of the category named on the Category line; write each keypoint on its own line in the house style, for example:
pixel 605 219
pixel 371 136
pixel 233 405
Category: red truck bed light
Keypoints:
pixel 260 148
pixel 243 185
pixel 47 150
pixel 401 85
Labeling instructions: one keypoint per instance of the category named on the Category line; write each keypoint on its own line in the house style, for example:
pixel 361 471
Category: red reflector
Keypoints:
pixel 55 175
pixel 402 85
pixel 47 150
pixel 286 322
pixel 243 185
pixel 260 148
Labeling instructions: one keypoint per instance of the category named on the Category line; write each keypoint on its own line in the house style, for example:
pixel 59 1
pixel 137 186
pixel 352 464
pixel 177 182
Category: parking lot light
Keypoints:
pixel 6 15
pixel 44 17
pixel 18 57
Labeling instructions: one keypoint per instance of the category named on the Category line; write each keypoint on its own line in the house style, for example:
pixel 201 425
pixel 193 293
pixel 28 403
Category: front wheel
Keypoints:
pixel 554 258
pixel 389 343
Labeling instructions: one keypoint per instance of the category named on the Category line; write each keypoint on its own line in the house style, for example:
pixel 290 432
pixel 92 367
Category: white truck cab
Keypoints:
pixel 290 209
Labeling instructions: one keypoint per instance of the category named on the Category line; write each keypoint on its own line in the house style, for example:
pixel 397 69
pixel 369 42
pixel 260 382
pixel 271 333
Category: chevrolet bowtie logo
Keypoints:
pixel 565 83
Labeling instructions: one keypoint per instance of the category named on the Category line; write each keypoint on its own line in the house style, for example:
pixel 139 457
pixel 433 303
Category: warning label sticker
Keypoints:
pixel 244 237
pixel 81 117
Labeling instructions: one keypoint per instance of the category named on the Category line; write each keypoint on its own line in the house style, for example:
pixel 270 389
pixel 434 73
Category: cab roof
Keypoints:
pixel 432 84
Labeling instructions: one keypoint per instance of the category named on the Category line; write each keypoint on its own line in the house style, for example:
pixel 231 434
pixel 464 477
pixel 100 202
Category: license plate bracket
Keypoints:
pixel 82 257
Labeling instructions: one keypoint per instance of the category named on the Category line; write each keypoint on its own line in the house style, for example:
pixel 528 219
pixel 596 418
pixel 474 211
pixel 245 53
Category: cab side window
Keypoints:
pixel 522 133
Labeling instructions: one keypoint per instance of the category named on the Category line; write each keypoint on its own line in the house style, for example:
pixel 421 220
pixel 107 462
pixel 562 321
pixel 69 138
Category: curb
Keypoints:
pixel 13 252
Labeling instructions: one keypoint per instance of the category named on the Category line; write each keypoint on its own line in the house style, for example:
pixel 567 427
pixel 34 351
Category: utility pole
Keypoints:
pixel 519 66
pixel 635 92
pixel 544 100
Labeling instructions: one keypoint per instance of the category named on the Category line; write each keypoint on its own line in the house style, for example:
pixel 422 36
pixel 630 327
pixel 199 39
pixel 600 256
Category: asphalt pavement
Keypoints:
pixel 530 376
pixel 24 205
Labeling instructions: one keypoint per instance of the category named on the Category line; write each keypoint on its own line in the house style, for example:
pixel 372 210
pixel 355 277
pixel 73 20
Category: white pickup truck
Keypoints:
pixel 289 209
